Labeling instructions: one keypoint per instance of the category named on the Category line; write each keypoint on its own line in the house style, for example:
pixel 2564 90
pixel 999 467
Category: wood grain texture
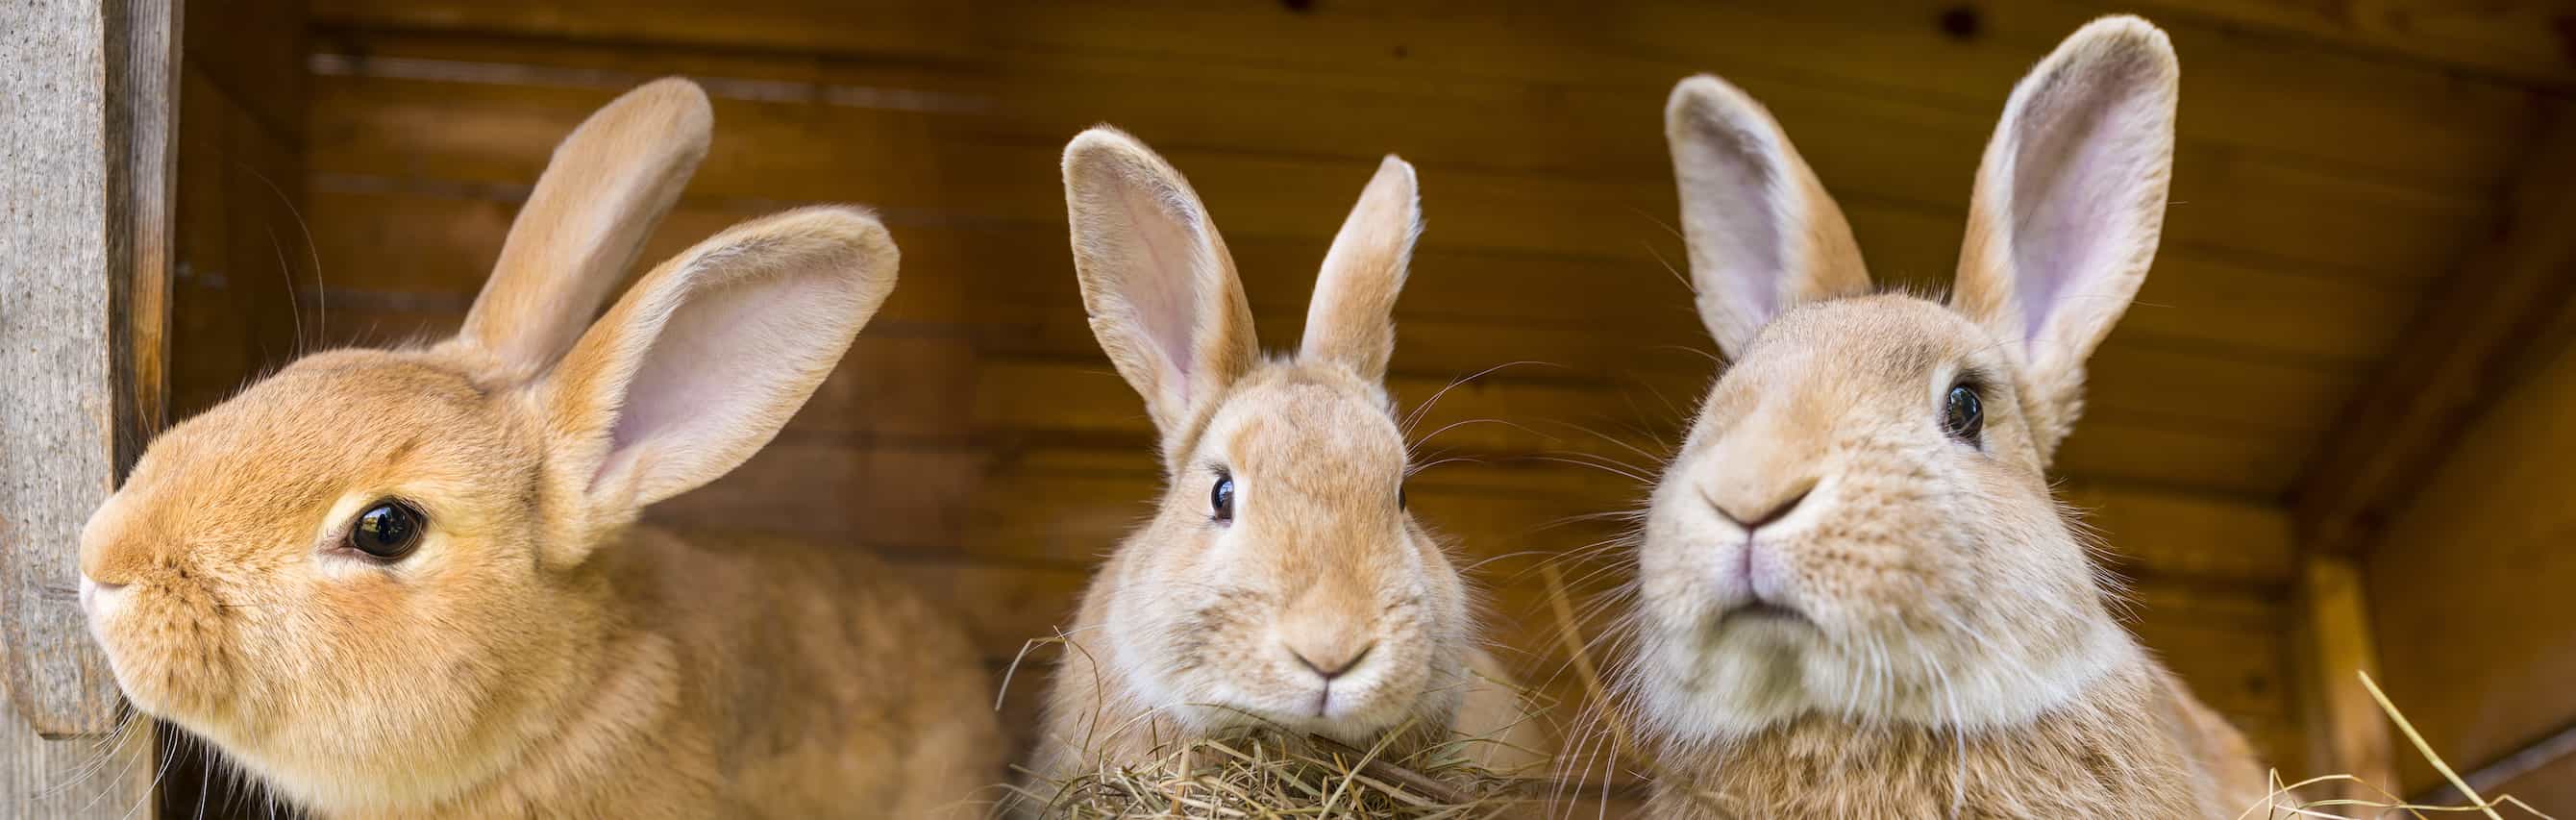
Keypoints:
pixel 2349 735
pixel 1896 49
pixel 2467 584
pixel 85 159
pixel 2524 41
pixel 142 81
pixel 85 292
pixel 81 777
pixel 2472 342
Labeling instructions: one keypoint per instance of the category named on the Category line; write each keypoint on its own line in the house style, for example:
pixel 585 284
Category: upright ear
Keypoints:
pixel 609 182
pixel 1351 319
pixel 1763 235
pixel 704 360
pixel 2069 203
pixel 1156 278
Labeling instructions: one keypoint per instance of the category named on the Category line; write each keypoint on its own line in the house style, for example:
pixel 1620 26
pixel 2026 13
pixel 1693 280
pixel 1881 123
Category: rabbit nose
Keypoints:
pixel 95 593
pixel 1761 509
pixel 1330 659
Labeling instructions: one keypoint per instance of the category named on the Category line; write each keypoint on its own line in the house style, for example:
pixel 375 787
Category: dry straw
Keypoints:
pixel 1268 776
pixel 2283 802
pixel 1276 774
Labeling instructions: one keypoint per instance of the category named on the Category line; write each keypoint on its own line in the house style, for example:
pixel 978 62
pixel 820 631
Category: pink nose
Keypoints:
pixel 1330 659
pixel 94 594
pixel 1753 515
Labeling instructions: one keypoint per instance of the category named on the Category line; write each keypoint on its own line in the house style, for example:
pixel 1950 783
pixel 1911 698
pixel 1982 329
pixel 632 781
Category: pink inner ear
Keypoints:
pixel 1163 287
pixel 726 366
pixel 1745 209
pixel 2083 156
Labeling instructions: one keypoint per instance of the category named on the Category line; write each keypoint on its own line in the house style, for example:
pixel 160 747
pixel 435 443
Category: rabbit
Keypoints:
pixel 1856 595
pixel 1282 584
pixel 411 582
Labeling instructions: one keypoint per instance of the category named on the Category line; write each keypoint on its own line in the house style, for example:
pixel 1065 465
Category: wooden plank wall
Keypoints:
pixel 2468 574
pixel 2469 591
pixel 245 256
pixel 976 435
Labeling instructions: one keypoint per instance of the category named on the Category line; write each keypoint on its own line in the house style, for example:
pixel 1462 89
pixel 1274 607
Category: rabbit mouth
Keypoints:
pixel 1759 612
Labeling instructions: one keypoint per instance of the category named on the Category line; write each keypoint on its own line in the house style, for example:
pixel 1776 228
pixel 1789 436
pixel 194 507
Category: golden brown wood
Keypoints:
pixel 843 26
pixel 2467 584
pixel 2466 348
pixel 1895 49
pixel 2532 41
pixel 2348 734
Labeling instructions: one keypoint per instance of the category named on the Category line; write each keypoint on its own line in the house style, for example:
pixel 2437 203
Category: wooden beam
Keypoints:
pixel 2472 341
pixel 2525 42
pixel 85 156
pixel 2346 732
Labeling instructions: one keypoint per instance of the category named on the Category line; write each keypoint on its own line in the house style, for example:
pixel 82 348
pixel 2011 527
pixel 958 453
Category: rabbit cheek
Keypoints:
pixel 1687 576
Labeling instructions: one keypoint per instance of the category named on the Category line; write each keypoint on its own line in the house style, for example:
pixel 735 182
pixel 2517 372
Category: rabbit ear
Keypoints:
pixel 2069 203
pixel 1156 277
pixel 704 360
pixel 1762 233
pixel 1352 316
pixel 582 226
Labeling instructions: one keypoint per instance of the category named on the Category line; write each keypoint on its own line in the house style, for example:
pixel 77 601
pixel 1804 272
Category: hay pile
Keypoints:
pixel 1263 776
pixel 2284 801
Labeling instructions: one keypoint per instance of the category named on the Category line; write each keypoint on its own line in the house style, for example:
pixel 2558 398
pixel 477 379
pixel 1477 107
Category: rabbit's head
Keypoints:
pixel 1859 523
pixel 374 575
pixel 1282 580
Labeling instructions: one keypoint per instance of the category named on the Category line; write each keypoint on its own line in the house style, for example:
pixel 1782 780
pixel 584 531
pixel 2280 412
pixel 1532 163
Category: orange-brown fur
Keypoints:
pixel 1196 626
pixel 1846 605
pixel 539 654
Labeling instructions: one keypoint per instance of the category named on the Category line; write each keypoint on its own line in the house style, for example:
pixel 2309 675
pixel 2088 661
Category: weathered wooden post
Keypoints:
pixel 88 93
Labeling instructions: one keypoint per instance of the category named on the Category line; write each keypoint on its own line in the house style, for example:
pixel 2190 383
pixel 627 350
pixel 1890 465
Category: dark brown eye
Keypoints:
pixel 1962 416
pixel 1399 497
pixel 388 530
pixel 1221 498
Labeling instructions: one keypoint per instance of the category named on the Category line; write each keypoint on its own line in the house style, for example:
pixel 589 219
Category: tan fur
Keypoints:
pixel 1196 627
pixel 538 654
pixel 1828 766
pixel 1845 609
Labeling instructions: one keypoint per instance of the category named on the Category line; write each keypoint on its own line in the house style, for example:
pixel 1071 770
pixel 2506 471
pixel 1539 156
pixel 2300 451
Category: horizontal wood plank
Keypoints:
pixel 2424 123
pixel 2470 345
pixel 2525 42
pixel 2233 207
pixel 872 26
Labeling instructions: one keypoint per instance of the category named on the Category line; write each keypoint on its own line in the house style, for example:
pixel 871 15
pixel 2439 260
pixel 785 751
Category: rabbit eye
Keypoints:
pixel 1221 498
pixel 388 530
pixel 1962 416
pixel 1399 496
